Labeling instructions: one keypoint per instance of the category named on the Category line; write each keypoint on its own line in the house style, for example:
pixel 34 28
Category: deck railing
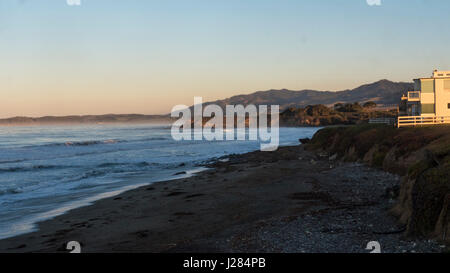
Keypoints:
pixel 414 95
pixel 404 121
pixel 388 121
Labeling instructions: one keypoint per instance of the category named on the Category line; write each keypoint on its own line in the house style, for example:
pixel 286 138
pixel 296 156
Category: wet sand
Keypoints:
pixel 290 200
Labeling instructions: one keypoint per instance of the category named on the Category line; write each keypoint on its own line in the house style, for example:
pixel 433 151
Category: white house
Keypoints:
pixel 429 103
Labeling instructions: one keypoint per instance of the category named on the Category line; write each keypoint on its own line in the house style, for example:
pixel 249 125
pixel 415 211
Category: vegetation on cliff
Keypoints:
pixel 421 155
pixel 341 114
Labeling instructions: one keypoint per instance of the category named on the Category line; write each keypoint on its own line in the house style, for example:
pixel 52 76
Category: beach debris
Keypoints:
pixel 304 140
pixel 333 157
pixel 175 193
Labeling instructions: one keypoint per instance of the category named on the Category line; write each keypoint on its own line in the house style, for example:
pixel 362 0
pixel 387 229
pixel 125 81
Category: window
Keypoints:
pixel 448 106
pixel 428 108
pixel 447 85
pixel 427 86
pixel 413 95
pixel 440 75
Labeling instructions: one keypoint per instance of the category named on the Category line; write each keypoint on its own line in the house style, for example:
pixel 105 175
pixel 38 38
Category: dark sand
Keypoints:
pixel 286 201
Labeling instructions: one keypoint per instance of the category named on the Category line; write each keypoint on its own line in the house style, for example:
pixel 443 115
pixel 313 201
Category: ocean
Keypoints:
pixel 46 171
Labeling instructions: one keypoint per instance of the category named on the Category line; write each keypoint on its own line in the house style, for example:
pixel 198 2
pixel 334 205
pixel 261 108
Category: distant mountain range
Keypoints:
pixel 383 92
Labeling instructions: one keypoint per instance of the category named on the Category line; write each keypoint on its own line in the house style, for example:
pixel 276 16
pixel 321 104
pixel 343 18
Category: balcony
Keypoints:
pixel 414 96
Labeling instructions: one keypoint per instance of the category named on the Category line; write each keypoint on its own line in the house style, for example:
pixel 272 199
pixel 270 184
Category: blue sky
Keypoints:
pixel 144 56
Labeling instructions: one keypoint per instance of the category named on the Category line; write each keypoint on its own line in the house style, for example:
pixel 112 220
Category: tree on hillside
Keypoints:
pixel 338 105
pixel 350 107
pixel 370 104
pixel 318 110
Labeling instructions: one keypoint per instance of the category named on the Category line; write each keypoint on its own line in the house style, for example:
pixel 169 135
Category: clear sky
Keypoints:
pixel 145 56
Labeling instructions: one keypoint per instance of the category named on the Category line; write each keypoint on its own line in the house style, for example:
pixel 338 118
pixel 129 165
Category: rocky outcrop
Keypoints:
pixel 321 115
pixel 420 155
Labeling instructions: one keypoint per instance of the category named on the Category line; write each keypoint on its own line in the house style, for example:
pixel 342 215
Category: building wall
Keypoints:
pixel 416 85
pixel 442 90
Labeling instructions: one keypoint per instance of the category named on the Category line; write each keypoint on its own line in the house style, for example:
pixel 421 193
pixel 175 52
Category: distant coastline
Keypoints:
pixel 310 116
pixel 86 119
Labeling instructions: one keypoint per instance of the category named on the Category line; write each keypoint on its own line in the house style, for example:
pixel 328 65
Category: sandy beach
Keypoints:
pixel 291 200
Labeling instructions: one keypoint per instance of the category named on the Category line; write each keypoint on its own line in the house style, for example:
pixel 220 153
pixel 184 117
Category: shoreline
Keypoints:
pixel 31 224
pixel 290 200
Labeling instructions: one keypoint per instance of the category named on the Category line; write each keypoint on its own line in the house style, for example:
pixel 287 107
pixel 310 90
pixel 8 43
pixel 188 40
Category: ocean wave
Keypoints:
pixel 11 161
pixel 77 143
pixel 111 168
pixel 94 142
pixel 10 191
pixel 92 173
pixel 88 143
pixel 30 169
pixel 155 139
pixel 138 164
pixel 85 186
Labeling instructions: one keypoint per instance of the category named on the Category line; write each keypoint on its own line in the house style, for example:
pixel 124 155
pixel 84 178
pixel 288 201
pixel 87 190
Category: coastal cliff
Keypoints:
pixel 420 155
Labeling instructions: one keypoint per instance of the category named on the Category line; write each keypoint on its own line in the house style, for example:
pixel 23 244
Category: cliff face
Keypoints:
pixel 420 155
